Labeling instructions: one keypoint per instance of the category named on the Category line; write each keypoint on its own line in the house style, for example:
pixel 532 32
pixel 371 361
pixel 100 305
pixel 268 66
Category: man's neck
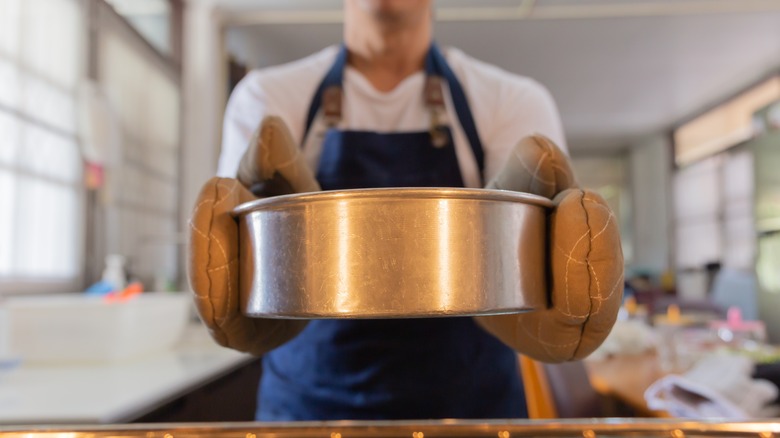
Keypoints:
pixel 387 54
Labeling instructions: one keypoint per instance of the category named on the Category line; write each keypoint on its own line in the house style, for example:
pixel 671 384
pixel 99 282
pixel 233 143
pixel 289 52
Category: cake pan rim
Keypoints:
pixel 459 193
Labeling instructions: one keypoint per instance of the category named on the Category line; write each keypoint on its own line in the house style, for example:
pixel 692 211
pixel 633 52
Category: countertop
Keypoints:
pixel 613 427
pixel 627 378
pixel 113 393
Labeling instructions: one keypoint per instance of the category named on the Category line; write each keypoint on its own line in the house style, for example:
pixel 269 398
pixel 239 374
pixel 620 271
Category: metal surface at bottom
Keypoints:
pixel 576 428
pixel 393 253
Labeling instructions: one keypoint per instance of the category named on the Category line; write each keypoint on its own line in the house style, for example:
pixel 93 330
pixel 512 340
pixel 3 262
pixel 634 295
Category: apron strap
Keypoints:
pixel 435 64
pixel 461 107
pixel 333 78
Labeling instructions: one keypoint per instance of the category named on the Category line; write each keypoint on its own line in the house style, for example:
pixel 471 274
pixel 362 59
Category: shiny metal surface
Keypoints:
pixel 392 253
pixel 612 427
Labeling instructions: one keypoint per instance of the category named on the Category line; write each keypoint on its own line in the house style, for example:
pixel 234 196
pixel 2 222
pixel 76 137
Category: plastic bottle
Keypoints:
pixel 114 273
pixel 736 331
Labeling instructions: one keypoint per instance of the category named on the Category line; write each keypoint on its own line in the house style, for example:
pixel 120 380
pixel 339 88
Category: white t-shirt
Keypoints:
pixel 505 107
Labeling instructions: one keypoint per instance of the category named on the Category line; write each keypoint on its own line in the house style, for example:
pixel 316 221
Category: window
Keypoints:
pixel 150 18
pixel 41 64
pixel 714 211
pixel 727 125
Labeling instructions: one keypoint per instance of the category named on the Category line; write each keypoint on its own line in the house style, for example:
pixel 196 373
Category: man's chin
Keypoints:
pixel 392 11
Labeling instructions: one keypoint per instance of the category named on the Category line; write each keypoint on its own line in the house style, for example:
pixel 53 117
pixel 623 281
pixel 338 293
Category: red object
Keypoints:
pixel 735 322
pixel 125 294
pixel 94 175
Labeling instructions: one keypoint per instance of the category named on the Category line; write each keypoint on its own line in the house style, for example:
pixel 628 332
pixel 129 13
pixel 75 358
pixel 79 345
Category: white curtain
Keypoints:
pixel 697 204
pixel 714 212
pixel 42 53
pixel 739 231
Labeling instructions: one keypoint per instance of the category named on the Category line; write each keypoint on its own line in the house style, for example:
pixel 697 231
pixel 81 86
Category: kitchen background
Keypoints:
pixel 110 120
pixel 657 99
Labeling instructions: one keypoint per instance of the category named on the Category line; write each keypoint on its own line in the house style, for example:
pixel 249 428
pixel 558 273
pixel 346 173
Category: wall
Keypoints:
pixel 203 99
pixel 141 94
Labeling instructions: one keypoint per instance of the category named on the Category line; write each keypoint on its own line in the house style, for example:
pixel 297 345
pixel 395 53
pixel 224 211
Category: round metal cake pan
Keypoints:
pixel 393 253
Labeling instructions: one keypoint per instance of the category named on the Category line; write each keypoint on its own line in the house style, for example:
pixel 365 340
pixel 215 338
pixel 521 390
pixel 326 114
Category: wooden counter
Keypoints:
pixel 626 378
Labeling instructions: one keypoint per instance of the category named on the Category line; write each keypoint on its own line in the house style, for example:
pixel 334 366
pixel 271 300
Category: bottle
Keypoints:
pixel 737 332
pixel 114 273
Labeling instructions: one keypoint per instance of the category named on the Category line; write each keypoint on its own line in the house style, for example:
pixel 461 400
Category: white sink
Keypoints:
pixel 76 328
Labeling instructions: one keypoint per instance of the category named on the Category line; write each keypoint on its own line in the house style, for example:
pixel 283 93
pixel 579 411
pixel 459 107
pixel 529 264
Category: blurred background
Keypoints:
pixel 110 120
pixel 111 113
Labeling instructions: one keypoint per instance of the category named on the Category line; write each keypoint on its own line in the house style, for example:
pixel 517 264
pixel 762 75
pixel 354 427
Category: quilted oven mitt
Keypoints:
pixel 585 260
pixel 272 165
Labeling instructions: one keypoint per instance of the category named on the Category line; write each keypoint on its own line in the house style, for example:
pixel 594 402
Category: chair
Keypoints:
pixel 736 288
pixel 704 307
pixel 560 390
pixel 538 395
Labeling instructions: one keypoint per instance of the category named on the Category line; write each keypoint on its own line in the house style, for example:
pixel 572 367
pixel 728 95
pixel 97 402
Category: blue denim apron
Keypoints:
pixel 394 368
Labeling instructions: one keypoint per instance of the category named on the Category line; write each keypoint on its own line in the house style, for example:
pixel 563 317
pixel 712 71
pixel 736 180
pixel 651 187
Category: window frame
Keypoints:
pixel 105 20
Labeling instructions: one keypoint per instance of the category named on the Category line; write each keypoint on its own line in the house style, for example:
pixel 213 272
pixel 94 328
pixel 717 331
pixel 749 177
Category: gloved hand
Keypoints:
pixel 272 165
pixel 585 260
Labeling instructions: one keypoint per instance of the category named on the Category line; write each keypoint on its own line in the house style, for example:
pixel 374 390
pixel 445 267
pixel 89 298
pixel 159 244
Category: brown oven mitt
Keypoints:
pixel 272 165
pixel 585 260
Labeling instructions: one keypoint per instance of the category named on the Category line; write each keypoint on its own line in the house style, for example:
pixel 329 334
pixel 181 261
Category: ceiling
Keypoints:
pixel 619 69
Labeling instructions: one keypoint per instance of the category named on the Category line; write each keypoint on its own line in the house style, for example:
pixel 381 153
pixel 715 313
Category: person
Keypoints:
pixel 389 108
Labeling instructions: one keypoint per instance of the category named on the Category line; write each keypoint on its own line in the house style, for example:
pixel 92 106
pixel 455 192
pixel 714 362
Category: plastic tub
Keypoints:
pixel 75 328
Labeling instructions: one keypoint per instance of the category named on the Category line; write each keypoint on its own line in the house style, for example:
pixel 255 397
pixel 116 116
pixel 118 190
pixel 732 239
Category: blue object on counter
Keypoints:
pixel 8 363
pixel 100 288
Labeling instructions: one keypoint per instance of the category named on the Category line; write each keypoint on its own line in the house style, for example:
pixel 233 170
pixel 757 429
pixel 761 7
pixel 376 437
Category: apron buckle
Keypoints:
pixel 434 100
pixel 331 105
pixel 439 136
